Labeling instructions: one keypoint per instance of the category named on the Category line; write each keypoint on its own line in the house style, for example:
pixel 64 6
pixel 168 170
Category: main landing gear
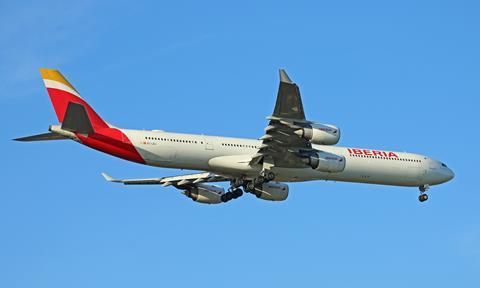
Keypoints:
pixel 234 191
pixel 423 196
pixel 248 185
pixel 267 175
pixel 264 177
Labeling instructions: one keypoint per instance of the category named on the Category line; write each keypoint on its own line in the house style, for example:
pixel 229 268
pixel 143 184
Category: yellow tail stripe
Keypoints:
pixel 55 75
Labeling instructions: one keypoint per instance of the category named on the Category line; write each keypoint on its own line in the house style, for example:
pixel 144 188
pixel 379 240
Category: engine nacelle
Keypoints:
pixel 326 162
pixel 272 191
pixel 322 134
pixel 204 193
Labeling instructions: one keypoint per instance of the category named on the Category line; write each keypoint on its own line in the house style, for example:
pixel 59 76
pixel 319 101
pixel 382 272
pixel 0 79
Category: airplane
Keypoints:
pixel 292 149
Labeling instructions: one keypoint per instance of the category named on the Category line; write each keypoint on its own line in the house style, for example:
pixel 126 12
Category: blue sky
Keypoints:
pixel 400 76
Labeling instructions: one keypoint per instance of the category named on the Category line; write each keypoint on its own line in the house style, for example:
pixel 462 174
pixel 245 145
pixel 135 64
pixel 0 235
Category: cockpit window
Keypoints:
pixel 444 165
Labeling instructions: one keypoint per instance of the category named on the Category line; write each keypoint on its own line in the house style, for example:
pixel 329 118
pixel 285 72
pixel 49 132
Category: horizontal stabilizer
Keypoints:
pixel 41 137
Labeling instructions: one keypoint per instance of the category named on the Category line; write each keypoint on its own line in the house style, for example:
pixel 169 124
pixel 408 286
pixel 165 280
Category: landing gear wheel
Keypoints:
pixel 423 197
pixel 250 187
pixel 229 196
pixel 238 182
pixel 259 180
pixel 237 193
pixel 269 175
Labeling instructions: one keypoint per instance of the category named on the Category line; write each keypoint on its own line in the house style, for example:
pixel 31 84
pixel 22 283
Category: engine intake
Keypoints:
pixel 204 193
pixel 322 134
pixel 326 162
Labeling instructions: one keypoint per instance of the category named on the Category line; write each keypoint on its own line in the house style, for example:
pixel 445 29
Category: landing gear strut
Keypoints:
pixel 423 196
pixel 238 182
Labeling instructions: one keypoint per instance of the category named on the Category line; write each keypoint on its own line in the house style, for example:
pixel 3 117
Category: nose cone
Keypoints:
pixel 443 175
pixel 438 173
pixel 449 175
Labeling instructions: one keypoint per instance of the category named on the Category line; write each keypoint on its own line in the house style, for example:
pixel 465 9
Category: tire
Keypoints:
pixel 237 193
pixel 423 197
pixel 249 187
pixel 270 176
pixel 259 180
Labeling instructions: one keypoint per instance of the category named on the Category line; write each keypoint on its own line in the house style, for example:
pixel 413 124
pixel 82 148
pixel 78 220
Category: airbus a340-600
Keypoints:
pixel 292 149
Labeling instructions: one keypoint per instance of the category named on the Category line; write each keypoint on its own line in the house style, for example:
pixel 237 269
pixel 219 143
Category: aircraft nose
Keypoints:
pixel 445 175
pixel 449 174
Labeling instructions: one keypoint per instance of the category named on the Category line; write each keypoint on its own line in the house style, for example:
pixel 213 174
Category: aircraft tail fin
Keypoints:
pixel 72 110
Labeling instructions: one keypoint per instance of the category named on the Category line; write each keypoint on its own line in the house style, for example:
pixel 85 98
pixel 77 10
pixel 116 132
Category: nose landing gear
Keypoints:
pixel 423 196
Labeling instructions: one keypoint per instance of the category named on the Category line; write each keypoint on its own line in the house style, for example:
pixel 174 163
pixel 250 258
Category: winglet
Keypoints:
pixel 108 177
pixel 284 77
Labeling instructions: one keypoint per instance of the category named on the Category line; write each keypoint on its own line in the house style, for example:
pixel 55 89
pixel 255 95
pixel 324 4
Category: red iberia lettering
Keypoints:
pixel 367 152
pixel 391 154
pixel 357 151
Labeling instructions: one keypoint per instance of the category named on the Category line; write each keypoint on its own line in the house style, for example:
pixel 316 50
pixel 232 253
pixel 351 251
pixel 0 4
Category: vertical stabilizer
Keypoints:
pixel 63 95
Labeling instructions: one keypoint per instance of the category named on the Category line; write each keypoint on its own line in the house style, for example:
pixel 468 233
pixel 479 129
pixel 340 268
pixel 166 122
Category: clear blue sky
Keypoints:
pixel 400 76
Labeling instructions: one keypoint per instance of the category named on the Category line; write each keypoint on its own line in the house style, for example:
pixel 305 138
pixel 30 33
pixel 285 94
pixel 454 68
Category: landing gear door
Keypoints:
pixel 208 141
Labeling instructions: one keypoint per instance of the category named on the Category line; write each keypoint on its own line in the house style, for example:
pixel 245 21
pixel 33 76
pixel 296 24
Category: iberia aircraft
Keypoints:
pixel 293 149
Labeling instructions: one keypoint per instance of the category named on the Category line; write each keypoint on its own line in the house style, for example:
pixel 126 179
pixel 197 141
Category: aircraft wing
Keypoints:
pixel 176 181
pixel 281 146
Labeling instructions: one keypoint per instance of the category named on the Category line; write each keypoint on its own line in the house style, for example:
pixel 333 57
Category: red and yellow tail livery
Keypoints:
pixel 62 93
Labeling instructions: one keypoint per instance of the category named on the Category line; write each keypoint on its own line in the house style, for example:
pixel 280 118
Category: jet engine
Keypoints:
pixel 204 193
pixel 326 162
pixel 272 191
pixel 322 134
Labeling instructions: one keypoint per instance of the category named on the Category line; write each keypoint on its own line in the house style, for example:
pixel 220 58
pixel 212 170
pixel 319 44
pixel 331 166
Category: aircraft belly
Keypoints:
pixel 356 170
pixel 376 172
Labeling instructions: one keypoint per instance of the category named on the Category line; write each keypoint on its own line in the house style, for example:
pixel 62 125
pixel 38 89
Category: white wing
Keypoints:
pixel 177 181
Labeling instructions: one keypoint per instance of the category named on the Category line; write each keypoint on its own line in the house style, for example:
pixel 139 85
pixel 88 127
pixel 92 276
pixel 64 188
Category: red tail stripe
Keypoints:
pixel 114 142
pixel 60 100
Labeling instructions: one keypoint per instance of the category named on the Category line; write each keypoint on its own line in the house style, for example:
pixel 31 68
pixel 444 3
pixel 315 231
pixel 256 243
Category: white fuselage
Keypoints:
pixel 208 153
